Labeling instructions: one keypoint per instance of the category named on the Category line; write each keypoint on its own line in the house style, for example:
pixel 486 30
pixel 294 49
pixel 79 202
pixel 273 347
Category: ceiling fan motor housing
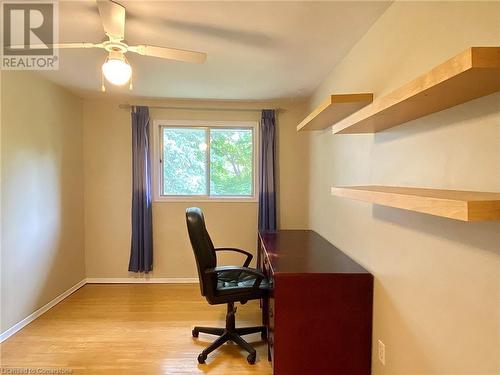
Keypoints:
pixel 115 46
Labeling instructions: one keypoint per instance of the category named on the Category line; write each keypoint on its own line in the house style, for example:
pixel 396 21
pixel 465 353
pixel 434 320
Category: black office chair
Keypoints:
pixel 227 284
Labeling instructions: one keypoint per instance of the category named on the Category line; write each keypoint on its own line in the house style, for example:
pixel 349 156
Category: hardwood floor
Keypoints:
pixel 133 329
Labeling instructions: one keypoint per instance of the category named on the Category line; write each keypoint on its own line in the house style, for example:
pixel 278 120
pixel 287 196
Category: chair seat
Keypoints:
pixel 236 282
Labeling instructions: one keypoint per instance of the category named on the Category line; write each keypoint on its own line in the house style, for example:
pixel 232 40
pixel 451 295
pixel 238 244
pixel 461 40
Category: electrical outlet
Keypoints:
pixel 381 352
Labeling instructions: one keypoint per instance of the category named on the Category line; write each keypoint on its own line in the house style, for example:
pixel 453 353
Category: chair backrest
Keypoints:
pixel 203 249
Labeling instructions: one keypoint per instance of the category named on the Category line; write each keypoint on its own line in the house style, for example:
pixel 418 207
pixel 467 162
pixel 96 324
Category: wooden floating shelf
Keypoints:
pixel 333 109
pixel 469 75
pixel 453 204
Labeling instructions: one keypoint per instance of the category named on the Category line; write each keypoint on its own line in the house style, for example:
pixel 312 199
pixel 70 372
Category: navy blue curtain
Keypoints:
pixel 267 181
pixel 141 248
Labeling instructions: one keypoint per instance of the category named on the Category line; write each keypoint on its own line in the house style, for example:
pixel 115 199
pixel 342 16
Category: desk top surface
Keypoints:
pixel 305 251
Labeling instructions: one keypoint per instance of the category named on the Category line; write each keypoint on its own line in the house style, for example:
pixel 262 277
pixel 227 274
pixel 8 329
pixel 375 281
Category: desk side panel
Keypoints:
pixel 322 324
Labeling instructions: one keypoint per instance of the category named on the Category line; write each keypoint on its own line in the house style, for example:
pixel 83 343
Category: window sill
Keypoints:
pixel 204 200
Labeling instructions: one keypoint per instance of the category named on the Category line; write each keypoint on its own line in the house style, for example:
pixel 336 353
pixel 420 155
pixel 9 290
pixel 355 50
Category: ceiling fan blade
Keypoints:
pixel 112 18
pixel 77 45
pixel 57 46
pixel 169 53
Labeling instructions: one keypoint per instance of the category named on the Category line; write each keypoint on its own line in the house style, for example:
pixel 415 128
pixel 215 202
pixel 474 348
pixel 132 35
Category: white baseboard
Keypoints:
pixel 141 280
pixel 16 327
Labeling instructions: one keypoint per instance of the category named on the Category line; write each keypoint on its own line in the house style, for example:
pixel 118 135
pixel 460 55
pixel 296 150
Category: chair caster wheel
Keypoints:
pixel 251 358
pixel 195 333
pixel 201 358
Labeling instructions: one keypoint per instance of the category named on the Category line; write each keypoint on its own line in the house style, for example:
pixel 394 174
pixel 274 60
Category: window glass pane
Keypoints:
pixel 231 162
pixel 184 161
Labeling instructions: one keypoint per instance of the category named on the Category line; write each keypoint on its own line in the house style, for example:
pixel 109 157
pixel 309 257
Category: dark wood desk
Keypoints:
pixel 319 312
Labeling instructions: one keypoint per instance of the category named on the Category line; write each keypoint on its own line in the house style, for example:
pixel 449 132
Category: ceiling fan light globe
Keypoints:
pixel 117 71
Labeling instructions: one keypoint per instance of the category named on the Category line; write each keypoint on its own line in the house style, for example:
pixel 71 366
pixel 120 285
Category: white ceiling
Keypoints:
pixel 256 50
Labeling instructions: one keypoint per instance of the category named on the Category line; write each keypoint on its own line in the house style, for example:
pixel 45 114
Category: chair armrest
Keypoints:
pixel 251 271
pixel 249 256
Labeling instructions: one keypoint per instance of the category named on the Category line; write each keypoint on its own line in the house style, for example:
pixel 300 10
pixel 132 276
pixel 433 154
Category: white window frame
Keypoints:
pixel 157 165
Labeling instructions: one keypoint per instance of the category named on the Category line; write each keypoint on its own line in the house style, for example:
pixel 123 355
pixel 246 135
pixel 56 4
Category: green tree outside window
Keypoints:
pixel 186 155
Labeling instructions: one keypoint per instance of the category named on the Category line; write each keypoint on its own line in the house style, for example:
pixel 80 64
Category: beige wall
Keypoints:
pixel 107 156
pixel 41 194
pixel 437 281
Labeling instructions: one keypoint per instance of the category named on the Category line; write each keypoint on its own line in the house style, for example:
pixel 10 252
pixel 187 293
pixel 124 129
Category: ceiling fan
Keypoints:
pixel 116 68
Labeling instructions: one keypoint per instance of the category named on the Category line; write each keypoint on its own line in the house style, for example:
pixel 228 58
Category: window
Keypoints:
pixel 206 161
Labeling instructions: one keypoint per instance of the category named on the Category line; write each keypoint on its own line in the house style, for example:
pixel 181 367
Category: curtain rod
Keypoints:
pixel 129 106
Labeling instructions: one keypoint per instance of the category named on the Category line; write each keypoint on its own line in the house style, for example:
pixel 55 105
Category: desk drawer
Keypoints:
pixel 270 314
pixel 266 269
pixel 270 346
pixel 270 328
